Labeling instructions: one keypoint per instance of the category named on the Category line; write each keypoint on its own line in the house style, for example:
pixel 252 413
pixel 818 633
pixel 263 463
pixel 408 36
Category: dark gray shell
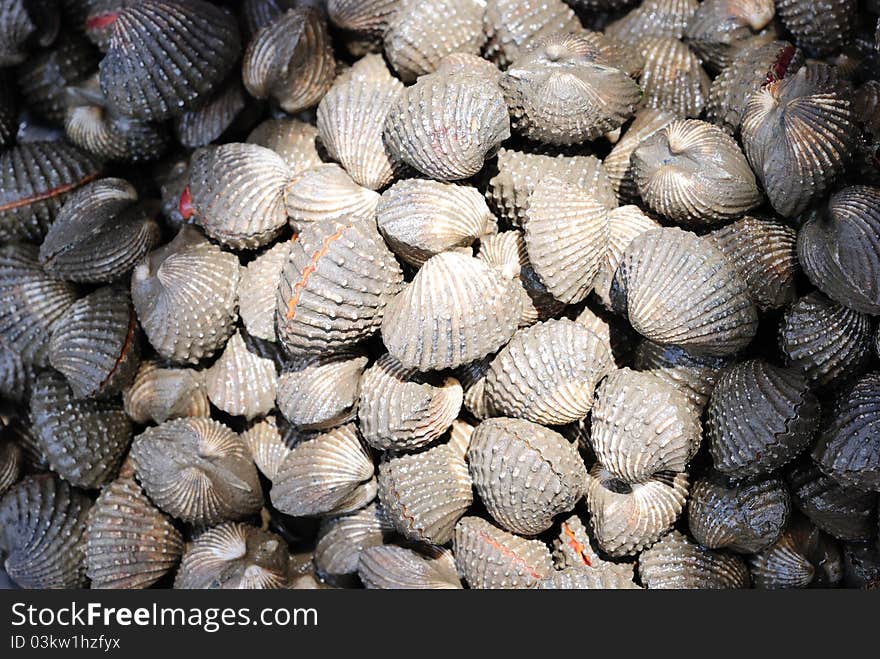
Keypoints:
pixel 819 28
pixel 12 462
pixel 24 24
pixel 158 394
pixel 673 78
pixel 206 123
pixel 365 20
pixel 342 539
pixel 694 375
pixel 398 568
pixel 677 563
pixel 803 556
pixel 719 29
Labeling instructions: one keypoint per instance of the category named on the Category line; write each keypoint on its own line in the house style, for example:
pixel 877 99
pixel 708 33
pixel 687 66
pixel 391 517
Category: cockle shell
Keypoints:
pixel 290 60
pixel 365 20
pixel 234 556
pixel 839 248
pixel 673 78
pixel 487 557
pixel 798 134
pixel 654 18
pixel 242 381
pixel 16 375
pixel 675 562
pixel 447 125
pixel 342 539
pixel 31 303
pixel 743 518
pixel 573 548
pixel 25 24
pixel 694 174
pixel 471 64
pixel 704 305
pixel 322 391
pixel 587 580
pixel 327 475
pixel 827 341
pixel 512 25
pixel 548 373
pixel 206 123
pixel 397 568
pixel 9 103
pixel 849 443
pixel 159 394
pixel 237 193
pixel 270 441
pixel 129 542
pixel 802 557
pixel 720 28
pixel 99 234
pixel 257 14
pixel 84 441
pixel 334 287
pixel 624 224
pixel 327 192
pixel 256 290
pixel 760 417
pixel 477 313
pixel 819 27
pixel 694 375
pixel 525 474
pixel 11 464
pixel 425 494
pixel 96 343
pixel 617 163
pixel 473 380
pixel 401 410
pixel 42 532
pixel 198 470
pixel 165 56
pixel 420 218
pixel 292 139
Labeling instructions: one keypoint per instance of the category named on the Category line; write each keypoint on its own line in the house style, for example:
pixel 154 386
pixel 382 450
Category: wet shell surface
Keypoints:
pixel 242 381
pixel 819 28
pixel 23 23
pixel 587 580
pixel 512 25
pixel 694 174
pixel 760 417
pixel 292 139
pixel 624 224
pixel 270 441
pixel 490 558
pixel 129 542
pixel 42 530
pixel 694 375
pixel 701 305
pixel 165 56
pixel 673 78
pixel 334 287
pixel 198 470
pixel 426 331
pixel 425 494
pixel 446 125
pixel 342 539
pixel 525 474
pixel 159 394
pixel 12 461
pixel 654 18
pixel 803 556
pixel 720 28
pixel 678 563
pixel 617 163
pixel 366 19
pixel 397 568
pixel 207 123
pixel 548 373
pixel 327 192
pixel 185 296
pixel 256 291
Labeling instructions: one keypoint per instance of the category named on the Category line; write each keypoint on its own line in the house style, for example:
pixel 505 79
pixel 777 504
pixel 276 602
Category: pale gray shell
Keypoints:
pixel 525 474
pixel 159 394
pixel 678 563
pixel 292 139
pixel 342 539
pixel 398 568
pixel 673 78
pixel 512 25
pixel 803 556
pixel 467 63
pixel 694 375
pixel 654 18
pixel 270 441
pixel 256 290
pixel 617 577
pixel 624 224
pixel 242 381
pixel 720 28
pixel 327 192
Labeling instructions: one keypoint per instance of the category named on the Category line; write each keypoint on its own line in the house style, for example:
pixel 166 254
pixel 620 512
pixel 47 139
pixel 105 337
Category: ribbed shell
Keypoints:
pixel 573 548
pixel 425 494
pixel 185 296
pixel 334 287
pixel 42 530
pixel 403 411
pixel 566 234
pixel 512 25
pixel 16 375
pixel 548 373
pixel 165 56
pixel 206 123
pixel 447 125
pixel 366 18
pixel 573 579
pixel 242 380
pixel 129 542
pixel 342 539
pixel 198 470
pixel 399 568
pixel 321 391
pixel 694 174
pixel 84 441
pixel 420 218
pixel 12 461
pixel 760 417
pixel 624 224
pixel 330 474
pixel 849 444
pixel 96 343
pixel 677 289
pixel 237 192
pixel 839 248
pixel 35 180
pixel 290 60
pixel 798 134
pixel 673 78
pixel 23 23
pixel 110 136
pixel 617 163
pixel 256 290
pixel 676 563
pixel 694 375
pixel 803 556
pixel 743 518
pixel 472 64
pixel 473 380
pixel 31 303
pixel 654 18
pixel 825 340
pixel 525 474
pixel 427 326
pixel 234 556
pixel 99 234
pixel 819 27
pixel 159 394
pixel 847 513
pixel 487 557
pixel 626 518
pixel 764 253
pixel 292 139
pixel 327 192
pixel 720 28
pixel 259 13
pixel 270 440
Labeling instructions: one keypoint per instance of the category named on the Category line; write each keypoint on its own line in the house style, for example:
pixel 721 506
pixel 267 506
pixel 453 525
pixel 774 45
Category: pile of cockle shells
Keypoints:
pixel 440 293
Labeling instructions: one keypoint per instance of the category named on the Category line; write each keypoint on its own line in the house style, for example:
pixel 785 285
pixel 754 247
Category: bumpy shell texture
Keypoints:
pixel 673 78
pixel 675 562
pixel 158 394
pixel 256 291
pixel 327 192
pixel 342 539
pixel 617 163
pixel 820 28
pixel 803 556
pixel 292 139
pixel 242 381
pixel 393 567
pixel 720 28
pixel 513 24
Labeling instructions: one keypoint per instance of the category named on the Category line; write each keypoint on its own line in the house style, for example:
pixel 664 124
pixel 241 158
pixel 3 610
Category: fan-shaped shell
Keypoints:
pixel 334 287
pixel 694 375
pixel 471 64
pixel 820 28
pixel 573 548
pixel 11 464
pixel 198 470
pixel 676 563
pixel 342 539
pixel 327 192
pixel 617 163
pixel 270 440
pixel 42 530
pixel 256 290
pixel 112 137
pixel 673 78
pixel 512 25
pixel 624 224
pixel 394 567
pixel 760 417
pixel 242 380
pixel 368 19
pixel 802 557
pixel 587 580
pixel 677 289
pixel 185 296
pixel 16 375
pixel 158 394
pixel 24 23
pixel 129 542
pixel 292 139
pixel 654 18
pixel 447 125
pixel 718 29
pixel 206 123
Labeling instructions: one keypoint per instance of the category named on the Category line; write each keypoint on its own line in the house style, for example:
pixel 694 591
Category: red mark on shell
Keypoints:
pixel 48 194
pixel 101 21
pixel 309 270
pixel 578 547
pixel 512 555
pixel 185 207
pixel 780 66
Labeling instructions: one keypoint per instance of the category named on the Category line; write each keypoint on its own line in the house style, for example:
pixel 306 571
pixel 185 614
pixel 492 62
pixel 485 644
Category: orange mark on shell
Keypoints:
pixel 132 324
pixel 575 544
pixel 101 21
pixel 185 206
pixel 510 554
pixel 309 270
pixel 54 192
